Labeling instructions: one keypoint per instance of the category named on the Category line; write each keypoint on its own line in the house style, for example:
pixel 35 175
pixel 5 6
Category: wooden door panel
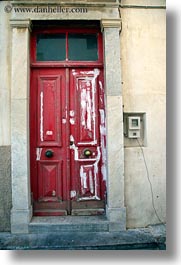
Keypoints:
pixel 48 142
pixel 84 85
pixel 89 182
pixel 50 181
pixel 86 134
pixel 49 131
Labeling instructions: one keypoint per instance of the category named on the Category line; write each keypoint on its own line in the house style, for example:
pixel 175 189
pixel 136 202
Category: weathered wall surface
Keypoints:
pixel 5 188
pixel 143 60
pixel 5 149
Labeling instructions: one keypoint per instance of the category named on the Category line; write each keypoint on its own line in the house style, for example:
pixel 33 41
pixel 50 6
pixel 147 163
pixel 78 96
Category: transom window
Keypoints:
pixel 67 46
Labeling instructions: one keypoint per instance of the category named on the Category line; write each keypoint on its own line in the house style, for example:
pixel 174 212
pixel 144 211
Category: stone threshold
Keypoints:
pixel 69 223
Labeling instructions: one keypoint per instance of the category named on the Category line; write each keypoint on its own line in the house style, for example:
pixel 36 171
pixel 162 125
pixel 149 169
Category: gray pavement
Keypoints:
pixel 150 238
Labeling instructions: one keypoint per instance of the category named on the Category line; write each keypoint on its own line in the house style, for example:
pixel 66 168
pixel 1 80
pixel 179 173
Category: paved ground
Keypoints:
pixel 151 238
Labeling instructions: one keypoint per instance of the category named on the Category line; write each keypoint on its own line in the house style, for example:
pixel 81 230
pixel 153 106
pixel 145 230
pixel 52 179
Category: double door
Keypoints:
pixel 67 141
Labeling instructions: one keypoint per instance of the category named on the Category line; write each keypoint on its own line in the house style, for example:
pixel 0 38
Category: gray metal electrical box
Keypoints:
pixel 133 126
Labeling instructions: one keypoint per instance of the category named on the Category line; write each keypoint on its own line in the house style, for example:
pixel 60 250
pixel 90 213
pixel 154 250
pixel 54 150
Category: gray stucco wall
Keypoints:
pixel 5 188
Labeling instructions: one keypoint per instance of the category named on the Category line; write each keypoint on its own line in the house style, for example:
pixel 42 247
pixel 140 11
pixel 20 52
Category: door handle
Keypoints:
pixel 87 152
pixel 49 153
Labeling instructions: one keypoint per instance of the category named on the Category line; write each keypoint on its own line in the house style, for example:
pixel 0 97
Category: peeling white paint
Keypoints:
pixel 73 72
pixel 83 106
pixel 102 116
pixel 103 144
pixel 73 193
pixel 86 108
pixel 38 153
pixel 75 148
pixel 72 121
pixel 71 138
pixel 95 197
pixel 96 74
pixel 100 84
pixel 41 116
pixel 72 113
pixel 83 177
pixel 64 121
pixel 91 185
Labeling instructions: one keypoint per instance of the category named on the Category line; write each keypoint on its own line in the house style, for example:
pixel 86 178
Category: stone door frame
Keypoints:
pixel 21 212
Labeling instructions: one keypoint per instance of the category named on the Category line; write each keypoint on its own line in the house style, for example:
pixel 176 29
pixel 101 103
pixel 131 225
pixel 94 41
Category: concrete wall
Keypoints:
pixel 5 149
pixel 143 61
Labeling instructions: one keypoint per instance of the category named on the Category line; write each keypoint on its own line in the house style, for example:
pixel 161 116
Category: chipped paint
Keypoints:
pixel 73 147
pixel 96 74
pixel 83 177
pixel 72 113
pixel 86 108
pixel 41 116
pixel 88 113
pixel 73 72
pixel 96 170
pixel 100 85
pixel 38 153
pixel 72 121
pixel 73 193
pixel 103 143
pixel 64 121
pixel 91 185
pixel 95 197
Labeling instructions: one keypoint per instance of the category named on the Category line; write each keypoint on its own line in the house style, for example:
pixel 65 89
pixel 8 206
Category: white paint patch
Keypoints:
pixel 72 121
pixel 73 193
pixel 64 121
pixel 95 197
pixel 73 72
pixel 89 111
pixel 73 147
pixel 49 133
pixel 71 138
pixel 41 116
pixel 38 153
pixel 100 84
pixel 104 172
pixel 91 185
pixel 83 177
pixel 103 144
pixel 72 113
pixel 102 116
pixel 83 106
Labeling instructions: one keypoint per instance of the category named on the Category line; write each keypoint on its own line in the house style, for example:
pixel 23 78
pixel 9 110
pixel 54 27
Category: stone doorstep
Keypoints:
pixel 129 239
pixel 69 224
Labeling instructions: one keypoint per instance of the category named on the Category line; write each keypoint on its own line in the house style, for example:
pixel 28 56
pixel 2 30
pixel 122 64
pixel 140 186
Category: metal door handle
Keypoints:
pixel 87 152
pixel 49 153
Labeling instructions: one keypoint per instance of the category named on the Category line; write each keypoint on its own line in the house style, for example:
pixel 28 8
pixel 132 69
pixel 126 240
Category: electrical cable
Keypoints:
pixel 151 188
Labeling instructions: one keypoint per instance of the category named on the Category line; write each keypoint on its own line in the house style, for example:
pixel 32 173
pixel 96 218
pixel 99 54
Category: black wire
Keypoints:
pixel 148 177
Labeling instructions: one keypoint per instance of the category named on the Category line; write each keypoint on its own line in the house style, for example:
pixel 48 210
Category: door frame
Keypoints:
pixel 21 212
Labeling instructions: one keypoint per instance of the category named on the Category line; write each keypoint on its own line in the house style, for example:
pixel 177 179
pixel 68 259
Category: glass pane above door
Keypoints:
pixel 82 47
pixel 51 47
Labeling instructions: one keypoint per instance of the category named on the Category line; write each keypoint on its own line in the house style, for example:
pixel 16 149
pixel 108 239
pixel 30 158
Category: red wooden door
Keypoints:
pixel 48 142
pixel 67 123
pixel 87 141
